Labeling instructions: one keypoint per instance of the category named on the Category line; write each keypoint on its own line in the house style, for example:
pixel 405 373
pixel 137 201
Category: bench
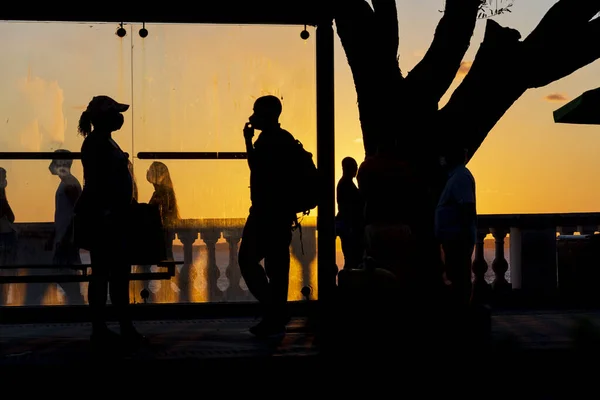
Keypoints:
pixel 82 273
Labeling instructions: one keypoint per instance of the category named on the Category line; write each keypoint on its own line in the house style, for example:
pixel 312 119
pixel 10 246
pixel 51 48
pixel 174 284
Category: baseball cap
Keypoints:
pixel 102 104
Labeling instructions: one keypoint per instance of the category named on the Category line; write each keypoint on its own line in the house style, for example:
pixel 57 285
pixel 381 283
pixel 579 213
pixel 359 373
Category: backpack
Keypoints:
pixel 304 180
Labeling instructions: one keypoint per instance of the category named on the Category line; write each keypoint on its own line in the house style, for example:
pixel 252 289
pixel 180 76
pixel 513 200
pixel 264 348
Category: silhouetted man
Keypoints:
pixel 456 223
pixel 268 231
pixel 350 217
pixel 65 251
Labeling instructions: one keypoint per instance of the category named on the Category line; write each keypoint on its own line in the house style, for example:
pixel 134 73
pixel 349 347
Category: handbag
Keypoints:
pixel 146 237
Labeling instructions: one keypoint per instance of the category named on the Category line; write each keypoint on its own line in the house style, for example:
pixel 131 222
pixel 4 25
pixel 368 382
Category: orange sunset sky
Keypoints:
pixel 192 87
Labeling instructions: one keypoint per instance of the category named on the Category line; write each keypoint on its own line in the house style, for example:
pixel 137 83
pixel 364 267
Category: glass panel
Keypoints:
pixel 31 193
pixel 51 71
pixel 193 90
pixel 195 85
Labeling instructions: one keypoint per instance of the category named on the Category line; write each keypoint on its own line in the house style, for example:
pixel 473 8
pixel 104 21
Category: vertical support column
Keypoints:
pixel 326 160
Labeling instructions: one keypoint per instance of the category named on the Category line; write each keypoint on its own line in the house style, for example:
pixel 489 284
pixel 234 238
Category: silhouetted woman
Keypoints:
pixel 103 210
pixel 164 198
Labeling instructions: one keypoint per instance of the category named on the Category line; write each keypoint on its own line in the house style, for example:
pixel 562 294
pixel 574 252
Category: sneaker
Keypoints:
pixel 268 329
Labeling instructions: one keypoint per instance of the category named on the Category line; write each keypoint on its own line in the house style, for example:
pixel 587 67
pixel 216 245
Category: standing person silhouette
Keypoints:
pixel 268 231
pixel 350 220
pixel 8 234
pixel 102 209
pixel 65 251
pixel 456 223
pixel 164 197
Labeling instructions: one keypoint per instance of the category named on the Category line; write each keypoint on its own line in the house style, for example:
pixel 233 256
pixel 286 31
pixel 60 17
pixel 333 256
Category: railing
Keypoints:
pixel 210 271
pixel 533 253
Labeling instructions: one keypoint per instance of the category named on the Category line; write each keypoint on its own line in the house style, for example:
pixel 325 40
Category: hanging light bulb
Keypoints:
pixel 304 34
pixel 143 31
pixel 121 32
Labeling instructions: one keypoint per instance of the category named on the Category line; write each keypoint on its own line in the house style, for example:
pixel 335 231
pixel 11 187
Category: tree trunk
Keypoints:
pixel 403 130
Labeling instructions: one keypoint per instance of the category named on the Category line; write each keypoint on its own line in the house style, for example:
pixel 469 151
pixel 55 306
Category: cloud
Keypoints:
pixel 45 101
pixel 556 97
pixel 464 68
pixel 30 137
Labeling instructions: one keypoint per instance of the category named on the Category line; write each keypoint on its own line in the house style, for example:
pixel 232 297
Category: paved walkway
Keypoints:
pixel 205 339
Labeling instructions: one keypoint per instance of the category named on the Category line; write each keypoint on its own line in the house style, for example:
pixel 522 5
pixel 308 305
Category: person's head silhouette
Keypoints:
pixel 158 174
pixel 3 181
pixel 267 110
pixel 454 156
pixel 61 167
pixel 103 114
pixel 349 167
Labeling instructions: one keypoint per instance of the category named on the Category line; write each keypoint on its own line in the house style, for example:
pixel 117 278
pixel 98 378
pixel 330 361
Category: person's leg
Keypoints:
pixel 65 256
pixel 357 248
pixel 249 256
pixel 119 293
pixel 458 270
pixel 346 250
pixel 277 267
pixel 98 291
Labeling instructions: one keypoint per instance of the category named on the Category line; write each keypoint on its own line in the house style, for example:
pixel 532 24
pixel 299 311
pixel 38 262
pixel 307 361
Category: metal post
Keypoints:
pixel 326 160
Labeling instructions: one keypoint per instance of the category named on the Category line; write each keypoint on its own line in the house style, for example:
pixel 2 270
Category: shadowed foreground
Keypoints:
pixel 205 340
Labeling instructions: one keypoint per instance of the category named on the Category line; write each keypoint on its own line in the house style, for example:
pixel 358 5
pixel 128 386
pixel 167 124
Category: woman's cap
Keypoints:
pixel 102 104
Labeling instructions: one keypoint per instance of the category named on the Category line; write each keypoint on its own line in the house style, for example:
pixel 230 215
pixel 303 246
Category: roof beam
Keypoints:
pixel 276 12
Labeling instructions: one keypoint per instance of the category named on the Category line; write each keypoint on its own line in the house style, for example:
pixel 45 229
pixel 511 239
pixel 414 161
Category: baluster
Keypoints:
pixel 481 289
pixel 566 230
pixel 587 229
pixel 210 236
pixel 188 271
pixel 500 265
pixel 234 290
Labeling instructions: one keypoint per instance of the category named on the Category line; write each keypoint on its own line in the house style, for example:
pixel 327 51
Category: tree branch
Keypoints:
pixel 493 84
pixel 386 17
pixel 564 41
pixel 432 77
pixel 486 93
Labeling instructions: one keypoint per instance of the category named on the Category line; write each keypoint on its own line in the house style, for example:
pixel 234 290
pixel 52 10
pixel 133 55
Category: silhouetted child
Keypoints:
pixel 350 217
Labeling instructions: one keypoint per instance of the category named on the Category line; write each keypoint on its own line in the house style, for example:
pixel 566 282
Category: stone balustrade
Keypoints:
pixel 531 264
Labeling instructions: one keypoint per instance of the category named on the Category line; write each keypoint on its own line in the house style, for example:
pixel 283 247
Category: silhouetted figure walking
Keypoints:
pixel 8 234
pixel 102 212
pixel 268 231
pixel 350 217
pixel 65 252
pixel 456 223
